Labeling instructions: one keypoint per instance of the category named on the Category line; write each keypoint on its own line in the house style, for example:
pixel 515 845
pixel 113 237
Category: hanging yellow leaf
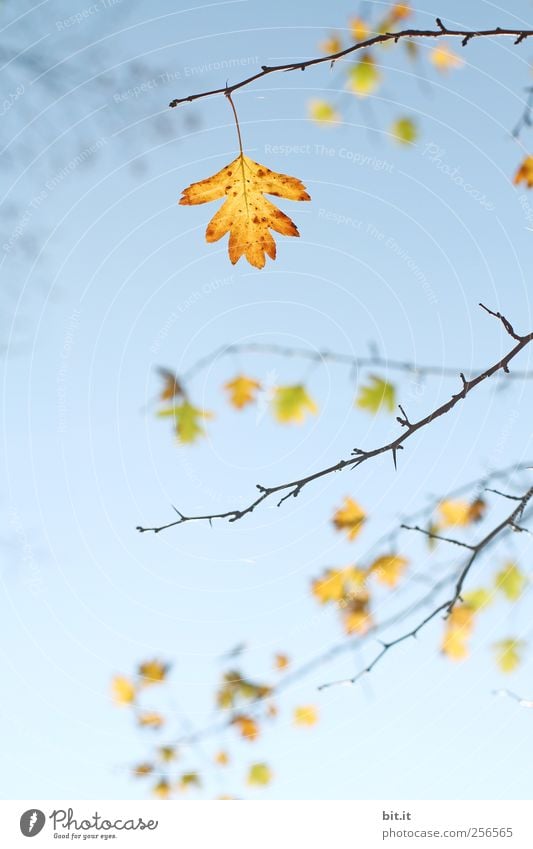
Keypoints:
pixel 259 775
pixel 323 112
pixel 187 421
pixel 281 662
pixel 349 518
pixel 332 44
pixel 162 789
pixel 188 780
pixel 356 614
pixel 460 513
pixel 389 569
pixel 222 758
pixel 152 672
pixel 150 719
pixel 305 715
pixel 459 626
pixel 524 173
pixel 247 727
pixel 400 11
pixel 359 29
pixel 444 59
pixel 292 404
pixel 511 581
pixel 171 386
pixel 122 690
pixel 167 753
pixel 338 584
pixel 143 769
pixel 404 131
pixel 478 599
pixel 379 395
pixel 508 654
pixel 242 390
pixel 246 214
pixel 364 77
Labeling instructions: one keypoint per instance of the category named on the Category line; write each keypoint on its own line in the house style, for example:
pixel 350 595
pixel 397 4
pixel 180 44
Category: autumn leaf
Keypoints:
pixel 281 662
pixel 445 60
pixel 242 391
pixel 364 77
pixel 510 581
pixel 323 112
pixel 246 214
pixel 332 44
pixel 338 584
pixel 150 719
pixel 122 690
pixel 460 513
pixel 167 753
pixel 359 29
pixel 247 727
pixel 478 599
pixel 171 386
pixel 404 131
pixel 291 404
pixel 350 518
pixel 222 758
pixel 459 626
pixel 305 715
pixel 259 775
pixel 152 672
pixel 187 420
pixel 389 569
pixel 508 654
pixel 378 395
pixel 400 11
pixel 162 789
pixel 524 173
pixel 188 780
pixel 356 614
pixel 143 769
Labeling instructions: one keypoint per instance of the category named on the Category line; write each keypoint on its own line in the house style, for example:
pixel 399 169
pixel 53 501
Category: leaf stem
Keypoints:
pixel 231 103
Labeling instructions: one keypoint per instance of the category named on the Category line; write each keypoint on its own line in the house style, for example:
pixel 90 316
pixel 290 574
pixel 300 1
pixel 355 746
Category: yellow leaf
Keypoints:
pixel 364 77
pixel 445 59
pixel 167 753
pixel 187 421
pixel 152 672
pixel 292 404
pixel 161 789
pixel 246 214
pixel 350 518
pixel 400 11
pixel 222 758
pixel 281 662
pixel 143 769
pixel 150 719
pixel 460 513
pixel 508 654
pixel 478 599
pixel 122 690
pixel 323 112
pixel 404 131
pixel 259 775
pixel 459 626
pixel 377 396
pixel 359 29
pixel 247 727
pixel 338 584
pixel 356 615
pixel 332 44
pixel 389 569
pixel 242 390
pixel 189 779
pixel 306 715
pixel 524 173
pixel 511 581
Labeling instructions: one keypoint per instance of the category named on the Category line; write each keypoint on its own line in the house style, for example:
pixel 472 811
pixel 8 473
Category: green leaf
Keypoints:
pixel 364 77
pixel 511 581
pixel 379 394
pixel 404 131
pixel 187 420
pixel 292 404
pixel 478 599
pixel 259 775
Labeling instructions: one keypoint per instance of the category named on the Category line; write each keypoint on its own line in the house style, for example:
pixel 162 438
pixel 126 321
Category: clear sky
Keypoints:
pixel 120 280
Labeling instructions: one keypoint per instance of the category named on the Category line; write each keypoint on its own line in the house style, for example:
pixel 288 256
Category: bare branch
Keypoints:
pixel 442 32
pixel 360 456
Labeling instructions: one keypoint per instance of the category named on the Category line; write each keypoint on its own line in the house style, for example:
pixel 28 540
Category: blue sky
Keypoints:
pixel 393 252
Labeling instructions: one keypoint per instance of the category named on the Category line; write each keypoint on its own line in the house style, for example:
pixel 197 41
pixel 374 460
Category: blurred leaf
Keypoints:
pixel 404 131
pixel 143 769
pixel 259 775
pixel 332 44
pixel 152 672
pixel 122 690
pixel 378 395
pixel 459 626
pixel 246 726
pixel 364 77
pixel 150 719
pixel 189 779
pixel 349 518
pixel 167 753
pixel 478 599
pixel 445 59
pixel 524 173
pixel 356 613
pixel 359 29
pixel 242 391
pixel 459 513
pixel 508 654
pixel 187 421
pixel 222 758
pixel 338 584
pixel 292 404
pixel 161 789
pixel 171 385
pixel 281 662
pixel 323 112
pixel 511 581
pixel 389 569
pixel 306 715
